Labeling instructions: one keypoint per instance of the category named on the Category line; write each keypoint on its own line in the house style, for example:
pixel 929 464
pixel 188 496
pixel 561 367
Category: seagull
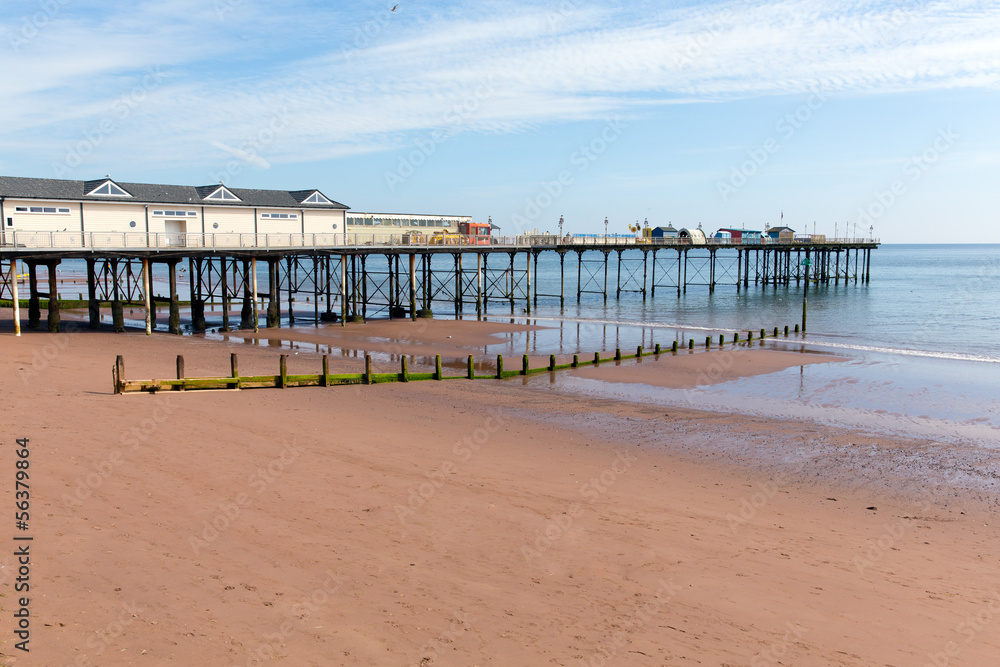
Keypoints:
pixel 394 8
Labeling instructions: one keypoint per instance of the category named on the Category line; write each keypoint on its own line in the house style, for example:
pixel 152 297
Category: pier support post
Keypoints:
pixel 246 313
pixel 652 286
pixel 174 320
pixel 343 290
pixel 579 274
pixel 527 291
pixel 53 317
pixel 606 253
pixel 273 295
pixel 16 302
pixel 562 278
pixel 618 278
pixel 253 283
pixel 93 305
pixel 34 308
pixel 117 308
pixel 146 284
pixel 291 274
pixel 197 302
pixel 679 254
pixel 479 285
pixel 413 287
pixel 458 282
pixel 645 257
pixel 224 287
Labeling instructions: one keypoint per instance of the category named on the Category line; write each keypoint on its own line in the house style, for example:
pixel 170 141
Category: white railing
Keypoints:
pixel 17 240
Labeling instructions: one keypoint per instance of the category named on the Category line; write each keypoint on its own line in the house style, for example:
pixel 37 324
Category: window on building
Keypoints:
pixel 280 216
pixel 109 189
pixel 316 198
pixel 223 194
pixel 51 210
pixel 176 214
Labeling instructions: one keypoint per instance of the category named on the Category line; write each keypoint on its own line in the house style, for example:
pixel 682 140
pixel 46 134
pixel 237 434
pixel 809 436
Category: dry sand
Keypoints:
pixel 465 523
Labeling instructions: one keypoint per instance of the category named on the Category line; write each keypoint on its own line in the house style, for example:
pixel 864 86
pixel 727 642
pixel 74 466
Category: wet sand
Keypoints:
pixel 470 523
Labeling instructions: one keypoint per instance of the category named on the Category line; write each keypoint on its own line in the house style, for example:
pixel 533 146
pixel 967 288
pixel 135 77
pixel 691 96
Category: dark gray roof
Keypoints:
pixel 148 193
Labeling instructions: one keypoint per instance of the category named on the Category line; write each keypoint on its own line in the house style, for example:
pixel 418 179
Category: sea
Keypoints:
pixel 921 342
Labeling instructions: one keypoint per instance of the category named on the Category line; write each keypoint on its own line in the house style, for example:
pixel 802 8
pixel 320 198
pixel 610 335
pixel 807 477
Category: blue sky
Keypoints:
pixel 848 115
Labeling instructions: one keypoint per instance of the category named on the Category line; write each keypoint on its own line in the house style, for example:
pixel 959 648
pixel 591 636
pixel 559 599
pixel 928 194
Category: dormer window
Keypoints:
pixel 316 198
pixel 108 189
pixel 222 194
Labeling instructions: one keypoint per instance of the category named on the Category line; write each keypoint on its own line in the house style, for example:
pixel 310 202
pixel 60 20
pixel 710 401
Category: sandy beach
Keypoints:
pixel 470 522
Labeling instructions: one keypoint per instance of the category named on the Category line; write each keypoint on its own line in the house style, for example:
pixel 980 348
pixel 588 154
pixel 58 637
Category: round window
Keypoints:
pixel 335 225
pixel 131 223
pixel 215 225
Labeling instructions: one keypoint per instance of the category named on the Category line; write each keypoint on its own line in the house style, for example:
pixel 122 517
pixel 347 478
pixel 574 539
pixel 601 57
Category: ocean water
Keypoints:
pixel 921 342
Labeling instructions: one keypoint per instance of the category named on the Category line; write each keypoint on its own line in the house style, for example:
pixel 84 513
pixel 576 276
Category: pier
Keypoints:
pixel 354 277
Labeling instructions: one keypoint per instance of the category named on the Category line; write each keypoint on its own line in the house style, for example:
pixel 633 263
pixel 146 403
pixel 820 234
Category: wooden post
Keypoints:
pixel 749 336
pixel 552 362
pixel 404 371
pixel 775 332
pixel 524 365
pixel 438 375
pixel 657 349
pixel 722 339
pixel 736 338
pixel 618 354
pixel 597 358
pixel 325 380
pixel 17 303
pixel 146 284
pixel 283 371
pixel 471 368
pixel 120 372
pixel 368 369
pixel 708 342
pixel 576 360
pixel 762 334
pixel 786 330
pixel 180 370
pixel 499 366
pixel 638 352
pixel 673 347
pixel 234 370
pixel 690 343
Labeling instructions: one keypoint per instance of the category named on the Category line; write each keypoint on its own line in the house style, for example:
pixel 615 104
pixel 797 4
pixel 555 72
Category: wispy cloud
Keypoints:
pixel 227 75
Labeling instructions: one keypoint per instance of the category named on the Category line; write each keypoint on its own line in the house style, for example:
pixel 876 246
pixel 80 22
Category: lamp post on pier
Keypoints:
pixel 605 229
pixel 560 229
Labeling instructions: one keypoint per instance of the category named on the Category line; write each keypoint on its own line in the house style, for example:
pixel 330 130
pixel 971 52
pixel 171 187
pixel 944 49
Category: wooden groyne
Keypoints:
pixel 282 380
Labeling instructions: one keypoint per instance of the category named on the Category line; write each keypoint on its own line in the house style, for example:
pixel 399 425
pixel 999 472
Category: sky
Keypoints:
pixel 849 118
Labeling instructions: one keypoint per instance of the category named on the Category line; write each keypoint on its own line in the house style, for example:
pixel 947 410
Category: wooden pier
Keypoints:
pixel 362 279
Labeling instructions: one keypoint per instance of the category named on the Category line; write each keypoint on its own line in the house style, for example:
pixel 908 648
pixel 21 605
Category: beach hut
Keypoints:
pixel 747 235
pixel 667 232
pixel 780 233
